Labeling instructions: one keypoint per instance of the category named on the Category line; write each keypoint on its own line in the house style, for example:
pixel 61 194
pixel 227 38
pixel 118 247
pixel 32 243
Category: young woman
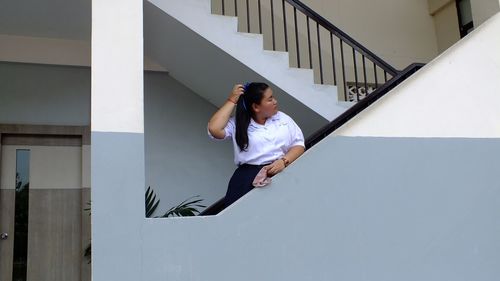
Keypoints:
pixel 262 136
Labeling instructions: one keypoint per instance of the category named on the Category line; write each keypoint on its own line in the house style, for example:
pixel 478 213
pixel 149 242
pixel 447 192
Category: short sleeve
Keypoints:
pixel 296 136
pixel 228 130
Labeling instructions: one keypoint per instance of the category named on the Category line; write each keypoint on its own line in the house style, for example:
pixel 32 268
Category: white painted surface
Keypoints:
pixel 51 167
pixel 456 95
pixel 117 66
pixel 248 49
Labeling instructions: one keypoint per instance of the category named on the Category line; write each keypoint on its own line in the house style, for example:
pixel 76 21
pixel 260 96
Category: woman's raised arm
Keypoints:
pixel 220 118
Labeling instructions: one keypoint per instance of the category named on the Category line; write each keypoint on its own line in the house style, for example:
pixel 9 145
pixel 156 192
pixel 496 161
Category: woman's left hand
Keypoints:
pixel 275 167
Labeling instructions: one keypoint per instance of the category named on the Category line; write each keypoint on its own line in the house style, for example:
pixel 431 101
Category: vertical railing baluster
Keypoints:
pixel 284 26
pixel 364 76
pixel 248 17
pixel 343 68
pixel 319 54
pixel 355 73
pixel 296 36
pixel 349 86
pixel 333 60
pixel 309 43
pixel 272 25
pixel 260 18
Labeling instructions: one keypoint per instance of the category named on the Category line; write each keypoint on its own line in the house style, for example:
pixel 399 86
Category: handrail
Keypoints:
pixel 342 35
pixel 352 67
pixel 340 120
pixel 361 105
pixel 213 209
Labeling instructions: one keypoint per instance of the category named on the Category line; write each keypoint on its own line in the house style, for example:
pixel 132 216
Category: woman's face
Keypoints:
pixel 268 105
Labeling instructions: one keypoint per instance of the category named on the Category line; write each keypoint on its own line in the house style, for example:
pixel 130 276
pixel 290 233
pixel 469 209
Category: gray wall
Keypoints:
pixel 44 94
pixel 180 159
pixel 350 209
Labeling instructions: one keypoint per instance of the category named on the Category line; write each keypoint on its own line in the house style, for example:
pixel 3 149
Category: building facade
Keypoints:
pixel 100 100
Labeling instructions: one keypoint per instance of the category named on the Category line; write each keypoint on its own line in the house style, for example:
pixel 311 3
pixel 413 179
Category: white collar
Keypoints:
pixel 273 118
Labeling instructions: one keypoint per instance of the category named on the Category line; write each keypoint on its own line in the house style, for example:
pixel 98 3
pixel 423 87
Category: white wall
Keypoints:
pixel 456 95
pixel 444 13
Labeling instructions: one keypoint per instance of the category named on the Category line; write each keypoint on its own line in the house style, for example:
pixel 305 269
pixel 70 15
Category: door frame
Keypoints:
pixel 33 132
pixel 45 130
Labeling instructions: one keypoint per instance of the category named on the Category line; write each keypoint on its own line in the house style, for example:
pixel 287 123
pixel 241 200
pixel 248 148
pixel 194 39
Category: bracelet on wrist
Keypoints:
pixel 285 161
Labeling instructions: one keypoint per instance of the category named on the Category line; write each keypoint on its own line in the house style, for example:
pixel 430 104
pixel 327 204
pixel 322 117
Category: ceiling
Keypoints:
pixel 62 19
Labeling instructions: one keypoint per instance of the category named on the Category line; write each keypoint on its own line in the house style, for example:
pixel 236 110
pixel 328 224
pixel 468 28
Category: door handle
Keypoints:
pixel 4 236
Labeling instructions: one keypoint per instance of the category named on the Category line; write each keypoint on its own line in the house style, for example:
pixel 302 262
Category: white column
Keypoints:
pixel 117 66
pixel 117 143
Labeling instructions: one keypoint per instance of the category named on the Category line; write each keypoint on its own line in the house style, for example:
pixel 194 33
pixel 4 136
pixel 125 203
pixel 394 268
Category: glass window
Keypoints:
pixel 20 260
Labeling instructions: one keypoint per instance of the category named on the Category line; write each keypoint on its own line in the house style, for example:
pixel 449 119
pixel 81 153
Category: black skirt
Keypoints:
pixel 241 182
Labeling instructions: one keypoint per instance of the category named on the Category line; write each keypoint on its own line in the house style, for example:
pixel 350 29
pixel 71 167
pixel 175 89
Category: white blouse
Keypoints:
pixel 266 143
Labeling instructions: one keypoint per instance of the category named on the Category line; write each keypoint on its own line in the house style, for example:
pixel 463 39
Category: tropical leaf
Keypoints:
pixel 185 208
pixel 151 202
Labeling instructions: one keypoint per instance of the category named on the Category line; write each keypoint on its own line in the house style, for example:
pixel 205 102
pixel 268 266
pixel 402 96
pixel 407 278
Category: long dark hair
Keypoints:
pixel 254 92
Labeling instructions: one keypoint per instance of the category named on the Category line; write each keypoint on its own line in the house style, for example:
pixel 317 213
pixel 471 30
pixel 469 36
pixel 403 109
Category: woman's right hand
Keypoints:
pixel 220 118
pixel 238 90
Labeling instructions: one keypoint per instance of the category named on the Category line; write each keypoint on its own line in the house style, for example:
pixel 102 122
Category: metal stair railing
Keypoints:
pixel 339 121
pixel 337 58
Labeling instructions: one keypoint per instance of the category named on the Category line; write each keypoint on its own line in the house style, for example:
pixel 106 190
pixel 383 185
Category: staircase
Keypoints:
pixel 211 46
pixel 208 53
pixel 384 206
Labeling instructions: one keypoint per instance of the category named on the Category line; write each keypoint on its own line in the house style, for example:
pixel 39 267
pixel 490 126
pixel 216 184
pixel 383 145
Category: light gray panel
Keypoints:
pixel 55 167
pixel 7 205
pixel 48 18
pixel 55 235
pixel 350 209
pixel 117 169
pixel 44 94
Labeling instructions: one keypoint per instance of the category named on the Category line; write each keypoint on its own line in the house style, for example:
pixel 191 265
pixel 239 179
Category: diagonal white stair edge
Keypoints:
pixel 248 49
